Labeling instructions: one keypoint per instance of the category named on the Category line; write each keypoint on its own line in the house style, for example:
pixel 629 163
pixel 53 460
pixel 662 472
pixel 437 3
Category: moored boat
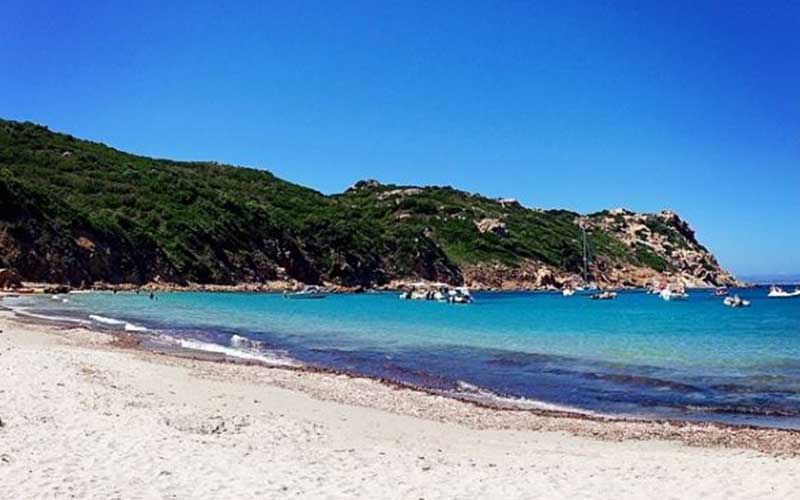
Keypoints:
pixel 736 301
pixel 309 292
pixel 604 295
pixel 673 293
pixel 776 292
pixel 459 295
pixel 439 292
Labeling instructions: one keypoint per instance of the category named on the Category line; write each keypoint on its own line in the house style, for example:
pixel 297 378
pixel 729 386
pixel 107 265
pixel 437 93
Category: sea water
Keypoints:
pixel 637 356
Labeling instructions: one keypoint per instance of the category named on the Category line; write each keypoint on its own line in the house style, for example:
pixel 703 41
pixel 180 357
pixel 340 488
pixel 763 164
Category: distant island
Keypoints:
pixel 81 213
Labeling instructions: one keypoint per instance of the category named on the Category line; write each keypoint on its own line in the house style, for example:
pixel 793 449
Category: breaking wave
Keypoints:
pixel 129 327
pixel 273 359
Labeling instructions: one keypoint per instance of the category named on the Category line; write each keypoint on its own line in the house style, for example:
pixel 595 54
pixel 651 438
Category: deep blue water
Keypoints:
pixel 635 356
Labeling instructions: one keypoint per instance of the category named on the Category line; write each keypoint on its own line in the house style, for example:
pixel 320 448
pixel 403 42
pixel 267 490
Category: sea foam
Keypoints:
pixel 129 327
pixel 469 391
pixel 104 320
pixel 267 358
pixel 21 311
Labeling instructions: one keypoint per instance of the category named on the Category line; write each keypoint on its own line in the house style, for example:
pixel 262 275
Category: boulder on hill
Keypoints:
pixel 495 226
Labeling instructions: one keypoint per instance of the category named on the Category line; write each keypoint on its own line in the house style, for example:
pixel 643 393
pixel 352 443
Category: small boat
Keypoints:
pixel 439 292
pixel 568 292
pixel 776 292
pixel 309 292
pixel 720 292
pixel 669 294
pixel 459 295
pixel 736 301
pixel 604 295
pixel 657 288
pixel 419 295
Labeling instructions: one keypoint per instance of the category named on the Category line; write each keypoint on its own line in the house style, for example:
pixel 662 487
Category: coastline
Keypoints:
pixel 86 415
pixel 410 400
pixel 291 286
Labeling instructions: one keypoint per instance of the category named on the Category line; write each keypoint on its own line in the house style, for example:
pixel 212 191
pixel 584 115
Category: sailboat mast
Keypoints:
pixel 585 258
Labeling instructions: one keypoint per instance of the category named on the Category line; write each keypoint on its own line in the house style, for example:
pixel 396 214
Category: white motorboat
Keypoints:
pixel 309 292
pixel 670 294
pixel 459 295
pixel 736 301
pixel 776 292
pixel 419 295
pixel 439 292
pixel 604 295
pixel 568 292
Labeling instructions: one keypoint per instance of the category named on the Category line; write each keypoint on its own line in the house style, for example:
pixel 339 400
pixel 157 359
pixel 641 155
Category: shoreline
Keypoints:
pixel 480 398
pixel 84 415
pixel 290 285
pixel 410 400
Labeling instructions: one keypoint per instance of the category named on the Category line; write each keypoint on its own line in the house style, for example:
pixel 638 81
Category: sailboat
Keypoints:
pixel 569 290
pixel 585 258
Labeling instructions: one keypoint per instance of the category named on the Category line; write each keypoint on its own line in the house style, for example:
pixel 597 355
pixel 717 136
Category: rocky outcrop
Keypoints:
pixel 10 279
pixel 529 275
pixel 489 225
pixel 399 193
pixel 664 247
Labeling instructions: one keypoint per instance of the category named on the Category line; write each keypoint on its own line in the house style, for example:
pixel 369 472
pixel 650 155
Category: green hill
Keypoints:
pixel 79 212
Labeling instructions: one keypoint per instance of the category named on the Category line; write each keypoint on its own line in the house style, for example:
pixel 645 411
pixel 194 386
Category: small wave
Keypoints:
pixel 470 391
pixel 20 311
pixel 104 320
pixel 271 359
pixel 244 343
pixel 129 327
pixel 749 410
pixel 643 381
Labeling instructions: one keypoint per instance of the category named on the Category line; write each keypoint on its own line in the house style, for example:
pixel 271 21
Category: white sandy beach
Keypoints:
pixel 82 419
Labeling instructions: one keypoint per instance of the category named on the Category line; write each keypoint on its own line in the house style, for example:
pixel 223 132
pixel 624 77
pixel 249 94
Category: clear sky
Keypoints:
pixel 693 106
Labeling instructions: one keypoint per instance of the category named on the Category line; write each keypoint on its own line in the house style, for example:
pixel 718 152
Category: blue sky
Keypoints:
pixel 693 106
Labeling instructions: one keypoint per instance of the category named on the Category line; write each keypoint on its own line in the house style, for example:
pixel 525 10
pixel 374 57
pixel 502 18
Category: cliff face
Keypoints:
pixel 78 212
pixel 666 246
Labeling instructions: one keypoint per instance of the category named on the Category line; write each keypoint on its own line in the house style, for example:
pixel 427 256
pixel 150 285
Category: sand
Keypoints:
pixel 85 419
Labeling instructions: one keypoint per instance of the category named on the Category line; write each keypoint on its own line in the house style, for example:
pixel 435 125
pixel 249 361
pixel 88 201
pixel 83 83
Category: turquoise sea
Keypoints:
pixel 636 356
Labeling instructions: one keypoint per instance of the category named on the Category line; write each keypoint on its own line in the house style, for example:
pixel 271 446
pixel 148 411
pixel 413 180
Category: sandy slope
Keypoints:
pixel 88 422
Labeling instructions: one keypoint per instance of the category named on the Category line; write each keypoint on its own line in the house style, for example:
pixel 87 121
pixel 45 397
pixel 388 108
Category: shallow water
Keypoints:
pixel 635 356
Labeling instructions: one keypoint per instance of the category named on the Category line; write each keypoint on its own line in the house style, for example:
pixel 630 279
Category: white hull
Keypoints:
pixel 784 295
pixel 736 302
pixel 672 296
pixel 457 295
pixel 305 296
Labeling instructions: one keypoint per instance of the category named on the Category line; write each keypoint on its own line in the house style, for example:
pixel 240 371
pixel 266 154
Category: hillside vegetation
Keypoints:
pixel 79 212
